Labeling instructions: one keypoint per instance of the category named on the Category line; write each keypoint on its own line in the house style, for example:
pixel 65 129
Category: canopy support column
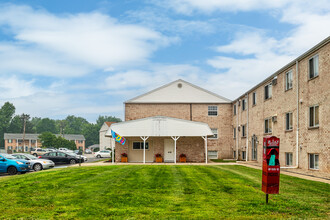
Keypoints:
pixel 112 150
pixel 205 141
pixel 175 138
pixel 144 138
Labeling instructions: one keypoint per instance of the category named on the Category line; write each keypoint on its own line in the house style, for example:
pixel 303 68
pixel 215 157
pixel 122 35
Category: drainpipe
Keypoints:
pixel 297 132
pixel 237 136
pixel 247 127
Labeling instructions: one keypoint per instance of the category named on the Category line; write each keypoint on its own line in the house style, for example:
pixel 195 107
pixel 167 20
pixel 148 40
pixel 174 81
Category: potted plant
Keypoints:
pixel 183 158
pixel 124 157
pixel 159 158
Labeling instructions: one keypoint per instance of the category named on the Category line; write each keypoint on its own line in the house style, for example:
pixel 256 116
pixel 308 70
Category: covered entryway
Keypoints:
pixel 160 134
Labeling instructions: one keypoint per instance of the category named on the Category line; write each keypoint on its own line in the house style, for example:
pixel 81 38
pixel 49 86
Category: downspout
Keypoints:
pixel 247 127
pixel 237 112
pixel 297 132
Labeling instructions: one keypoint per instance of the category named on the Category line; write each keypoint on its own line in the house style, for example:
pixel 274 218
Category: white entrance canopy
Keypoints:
pixel 161 126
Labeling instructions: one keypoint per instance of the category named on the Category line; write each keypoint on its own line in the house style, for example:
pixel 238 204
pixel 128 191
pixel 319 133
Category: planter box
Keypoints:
pixel 124 159
pixel 183 159
pixel 159 159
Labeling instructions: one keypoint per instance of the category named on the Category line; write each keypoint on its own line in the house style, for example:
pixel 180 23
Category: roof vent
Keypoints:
pixel 179 85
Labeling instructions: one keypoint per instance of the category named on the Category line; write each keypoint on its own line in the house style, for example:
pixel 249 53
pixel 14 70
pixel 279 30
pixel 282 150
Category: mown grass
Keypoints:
pixel 158 192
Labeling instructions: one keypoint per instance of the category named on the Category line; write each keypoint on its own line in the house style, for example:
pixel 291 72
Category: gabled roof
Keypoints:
pixel 109 123
pixel 160 126
pixel 70 137
pixel 179 91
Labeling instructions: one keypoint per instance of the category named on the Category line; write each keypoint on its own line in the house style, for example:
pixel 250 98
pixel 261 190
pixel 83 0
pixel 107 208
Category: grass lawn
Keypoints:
pixel 158 192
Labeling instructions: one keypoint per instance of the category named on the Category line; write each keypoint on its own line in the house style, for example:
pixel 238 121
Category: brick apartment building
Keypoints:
pixel 292 104
pixel 14 142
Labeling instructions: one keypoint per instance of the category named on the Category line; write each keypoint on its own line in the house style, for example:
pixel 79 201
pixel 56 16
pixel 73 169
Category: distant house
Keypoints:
pixel 105 142
pixel 14 142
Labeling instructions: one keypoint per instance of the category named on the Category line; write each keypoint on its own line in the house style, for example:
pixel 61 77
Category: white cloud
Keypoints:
pixel 12 87
pixel 72 44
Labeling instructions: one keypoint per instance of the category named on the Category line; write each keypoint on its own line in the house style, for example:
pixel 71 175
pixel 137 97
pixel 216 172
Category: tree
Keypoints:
pixel 61 142
pixel 7 112
pixel 74 125
pixel 47 139
pixel 101 119
pixel 91 133
pixel 46 125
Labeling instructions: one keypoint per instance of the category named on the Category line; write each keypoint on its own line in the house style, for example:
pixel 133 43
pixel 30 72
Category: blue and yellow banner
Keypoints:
pixel 118 138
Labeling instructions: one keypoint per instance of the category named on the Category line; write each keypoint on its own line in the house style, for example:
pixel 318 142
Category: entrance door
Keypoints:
pixel 168 150
pixel 254 148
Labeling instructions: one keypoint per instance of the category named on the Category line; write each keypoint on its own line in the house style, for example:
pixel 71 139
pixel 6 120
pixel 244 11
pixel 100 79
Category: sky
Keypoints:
pixel 86 57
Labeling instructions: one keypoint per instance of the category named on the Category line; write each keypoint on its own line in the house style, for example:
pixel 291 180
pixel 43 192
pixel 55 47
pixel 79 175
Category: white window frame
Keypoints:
pixel 243 131
pixel 268 87
pixel 288 127
pixel 141 145
pixel 270 126
pixel 315 162
pixel 243 104
pixel 254 98
pixel 212 109
pixel 288 158
pixel 315 60
pixel 212 153
pixel 288 80
pixel 314 125
pixel 215 133
pixel 10 140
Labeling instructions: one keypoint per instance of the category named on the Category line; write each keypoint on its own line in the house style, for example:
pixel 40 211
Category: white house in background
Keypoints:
pixel 105 142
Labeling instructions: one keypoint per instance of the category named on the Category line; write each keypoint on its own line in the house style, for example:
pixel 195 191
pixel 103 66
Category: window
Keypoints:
pixel 243 104
pixel 243 155
pixel 139 146
pixel 215 133
pixel 288 159
pixel 234 154
pixel 10 147
pixel 254 98
pixel 268 91
pixel 313 66
pixel 243 130
pixel 80 141
pixel 314 116
pixel 268 125
pixel 212 154
pixel 10 141
pixel 234 133
pixel 212 110
pixel 288 121
pixel 314 161
pixel 60 154
pixel 33 141
pixel 288 80
pixel 235 109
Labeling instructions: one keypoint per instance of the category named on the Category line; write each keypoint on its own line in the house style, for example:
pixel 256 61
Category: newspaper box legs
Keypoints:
pixel 271 166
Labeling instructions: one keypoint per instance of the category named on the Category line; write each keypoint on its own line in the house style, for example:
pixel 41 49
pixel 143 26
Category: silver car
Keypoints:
pixel 36 163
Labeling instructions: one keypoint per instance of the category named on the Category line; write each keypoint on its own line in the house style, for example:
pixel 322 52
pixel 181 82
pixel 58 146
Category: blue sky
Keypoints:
pixel 86 57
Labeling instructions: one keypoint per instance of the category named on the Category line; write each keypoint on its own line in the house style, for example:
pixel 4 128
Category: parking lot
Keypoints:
pixel 90 159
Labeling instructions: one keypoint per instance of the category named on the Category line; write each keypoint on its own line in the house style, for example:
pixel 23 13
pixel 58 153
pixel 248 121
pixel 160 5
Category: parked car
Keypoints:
pixel 12 165
pixel 50 149
pixel 88 151
pixel 62 157
pixel 36 163
pixel 103 153
pixel 38 151
pixel 66 150
pixel 80 156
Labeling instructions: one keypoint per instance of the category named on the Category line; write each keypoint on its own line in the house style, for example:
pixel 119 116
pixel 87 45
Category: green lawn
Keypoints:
pixel 158 192
pixel 223 161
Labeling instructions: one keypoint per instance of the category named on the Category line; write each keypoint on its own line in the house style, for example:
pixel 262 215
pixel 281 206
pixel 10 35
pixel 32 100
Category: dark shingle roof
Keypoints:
pixel 70 137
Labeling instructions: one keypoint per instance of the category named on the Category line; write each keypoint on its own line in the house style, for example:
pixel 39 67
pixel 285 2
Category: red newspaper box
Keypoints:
pixel 271 166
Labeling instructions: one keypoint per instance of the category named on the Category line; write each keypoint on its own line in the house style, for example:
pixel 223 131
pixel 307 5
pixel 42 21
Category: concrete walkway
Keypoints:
pixel 290 172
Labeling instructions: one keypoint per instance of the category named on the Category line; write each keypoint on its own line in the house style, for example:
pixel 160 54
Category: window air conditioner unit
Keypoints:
pixel 274 81
pixel 239 128
pixel 274 119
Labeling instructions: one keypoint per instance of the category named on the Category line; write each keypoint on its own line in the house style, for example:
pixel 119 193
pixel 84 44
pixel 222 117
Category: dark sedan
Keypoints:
pixel 61 157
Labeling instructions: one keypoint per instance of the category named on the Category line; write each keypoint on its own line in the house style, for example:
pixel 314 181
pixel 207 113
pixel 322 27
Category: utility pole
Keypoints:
pixel 62 125
pixel 24 117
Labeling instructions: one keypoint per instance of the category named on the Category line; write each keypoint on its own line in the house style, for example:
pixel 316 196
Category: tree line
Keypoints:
pixel 11 123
